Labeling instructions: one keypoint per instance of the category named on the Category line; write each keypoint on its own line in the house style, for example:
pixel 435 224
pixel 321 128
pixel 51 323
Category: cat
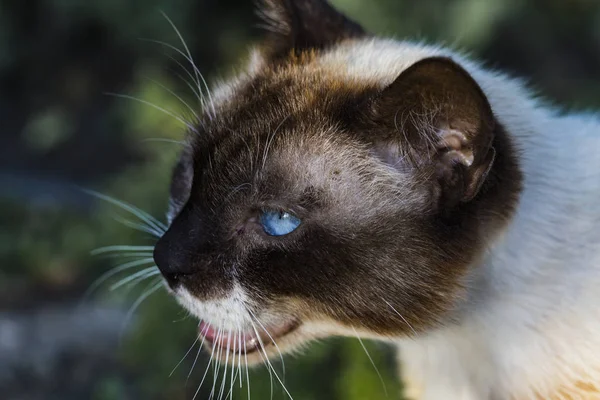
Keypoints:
pixel 346 184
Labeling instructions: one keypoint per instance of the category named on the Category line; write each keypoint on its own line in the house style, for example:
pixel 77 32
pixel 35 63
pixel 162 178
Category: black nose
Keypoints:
pixel 172 259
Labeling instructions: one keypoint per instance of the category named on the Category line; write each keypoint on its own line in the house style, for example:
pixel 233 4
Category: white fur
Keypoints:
pixel 535 327
pixel 228 313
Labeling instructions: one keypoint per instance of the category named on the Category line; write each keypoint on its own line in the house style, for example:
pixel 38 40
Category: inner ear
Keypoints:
pixel 297 25
pixel 434 116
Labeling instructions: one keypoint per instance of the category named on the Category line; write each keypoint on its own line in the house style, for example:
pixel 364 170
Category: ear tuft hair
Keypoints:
pixel 297 25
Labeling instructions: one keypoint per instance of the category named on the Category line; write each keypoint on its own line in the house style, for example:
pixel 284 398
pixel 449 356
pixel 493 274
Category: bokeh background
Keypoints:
pixel 64 337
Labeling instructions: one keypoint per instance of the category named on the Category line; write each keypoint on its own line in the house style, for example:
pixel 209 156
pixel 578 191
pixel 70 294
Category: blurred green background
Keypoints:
pixel 59 130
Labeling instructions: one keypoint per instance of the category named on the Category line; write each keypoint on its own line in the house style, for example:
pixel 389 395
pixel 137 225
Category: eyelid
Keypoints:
pixel 296 210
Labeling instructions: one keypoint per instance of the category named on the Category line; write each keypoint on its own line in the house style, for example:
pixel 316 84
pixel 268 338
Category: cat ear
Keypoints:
pixel 304 24
pixel 438 119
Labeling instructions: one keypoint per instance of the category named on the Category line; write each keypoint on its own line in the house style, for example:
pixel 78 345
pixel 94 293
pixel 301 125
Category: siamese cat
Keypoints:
pixel 346 184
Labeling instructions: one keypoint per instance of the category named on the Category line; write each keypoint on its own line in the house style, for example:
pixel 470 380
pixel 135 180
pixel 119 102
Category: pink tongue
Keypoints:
pixel 206 330
pixel 222 338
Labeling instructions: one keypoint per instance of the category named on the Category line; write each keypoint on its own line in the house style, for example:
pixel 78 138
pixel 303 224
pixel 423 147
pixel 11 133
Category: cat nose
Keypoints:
pixel 171 260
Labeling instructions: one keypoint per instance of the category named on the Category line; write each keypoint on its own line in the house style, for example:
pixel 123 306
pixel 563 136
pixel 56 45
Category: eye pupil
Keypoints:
pixel 278 223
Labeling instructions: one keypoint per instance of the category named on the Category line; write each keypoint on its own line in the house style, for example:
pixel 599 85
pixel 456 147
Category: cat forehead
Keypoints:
pixel 312 87
pixel 373 62
pixel 295 106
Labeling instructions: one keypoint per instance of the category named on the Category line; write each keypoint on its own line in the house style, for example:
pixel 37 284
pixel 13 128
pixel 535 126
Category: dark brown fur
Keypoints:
pixel 389 212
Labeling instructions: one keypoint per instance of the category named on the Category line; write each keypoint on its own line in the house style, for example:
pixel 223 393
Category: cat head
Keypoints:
pixel 320 197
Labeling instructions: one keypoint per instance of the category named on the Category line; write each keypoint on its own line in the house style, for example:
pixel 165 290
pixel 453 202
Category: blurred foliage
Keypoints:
pixel 59 58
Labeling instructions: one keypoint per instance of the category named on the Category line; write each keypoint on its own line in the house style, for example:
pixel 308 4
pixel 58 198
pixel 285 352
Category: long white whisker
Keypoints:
pixel 194 364
pixel 247 373
pixel 217 364
pixel 195 77
pixel 195 89
pixel 225 370
pixel 144 216
pixel 272 340
pixel 180 142
pixel 140 300
pixel 189 125
pixel 191 60
pixel 184 356
pixel 128 255
pixel 372 362
pixel 268 370
pixel 240 355
pixel 140 279
pixel 141 275
pixel 139 227
pixel 107 275
pixel 212 352
pixel 119 248
pixel 261 347
pixel 233 375
pixel 181 100
pixel 400 315
pixel 198 355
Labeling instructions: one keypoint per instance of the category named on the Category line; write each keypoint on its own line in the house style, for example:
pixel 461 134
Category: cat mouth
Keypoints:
pixel 245 341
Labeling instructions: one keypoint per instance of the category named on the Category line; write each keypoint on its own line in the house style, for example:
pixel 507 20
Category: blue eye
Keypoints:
pixel 278 223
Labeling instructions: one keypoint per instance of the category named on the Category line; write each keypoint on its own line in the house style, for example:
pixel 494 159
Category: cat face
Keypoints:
pixel 306 207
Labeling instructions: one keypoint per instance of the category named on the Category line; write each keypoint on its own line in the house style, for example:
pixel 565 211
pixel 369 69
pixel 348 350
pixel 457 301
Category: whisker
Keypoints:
pixel 194 365
pixel 195 78
pixel 225 370
pixel 247 373
pixel 233 376
pixel 268 370
pixel 372 362
pixel 180 142
pixel 141 275
pixel 195 89
pixel 157 285
pixel 270 140
pixel 189 125
pixel 126 255
pixel 264 359
pixel 240 355
pixel 142 215
pixel 120 248
pixel 261 347
pixel 212 352
pixel 181 100
pixel 138 227
pixel 272 340
pixel 400 315
pixel 185 317
pixel 191 60
pixel 107 275
pixel 218 363
pixel 241 137
pixel 235 190
pixel 141 279
pixel 184 356
pixel 197 356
